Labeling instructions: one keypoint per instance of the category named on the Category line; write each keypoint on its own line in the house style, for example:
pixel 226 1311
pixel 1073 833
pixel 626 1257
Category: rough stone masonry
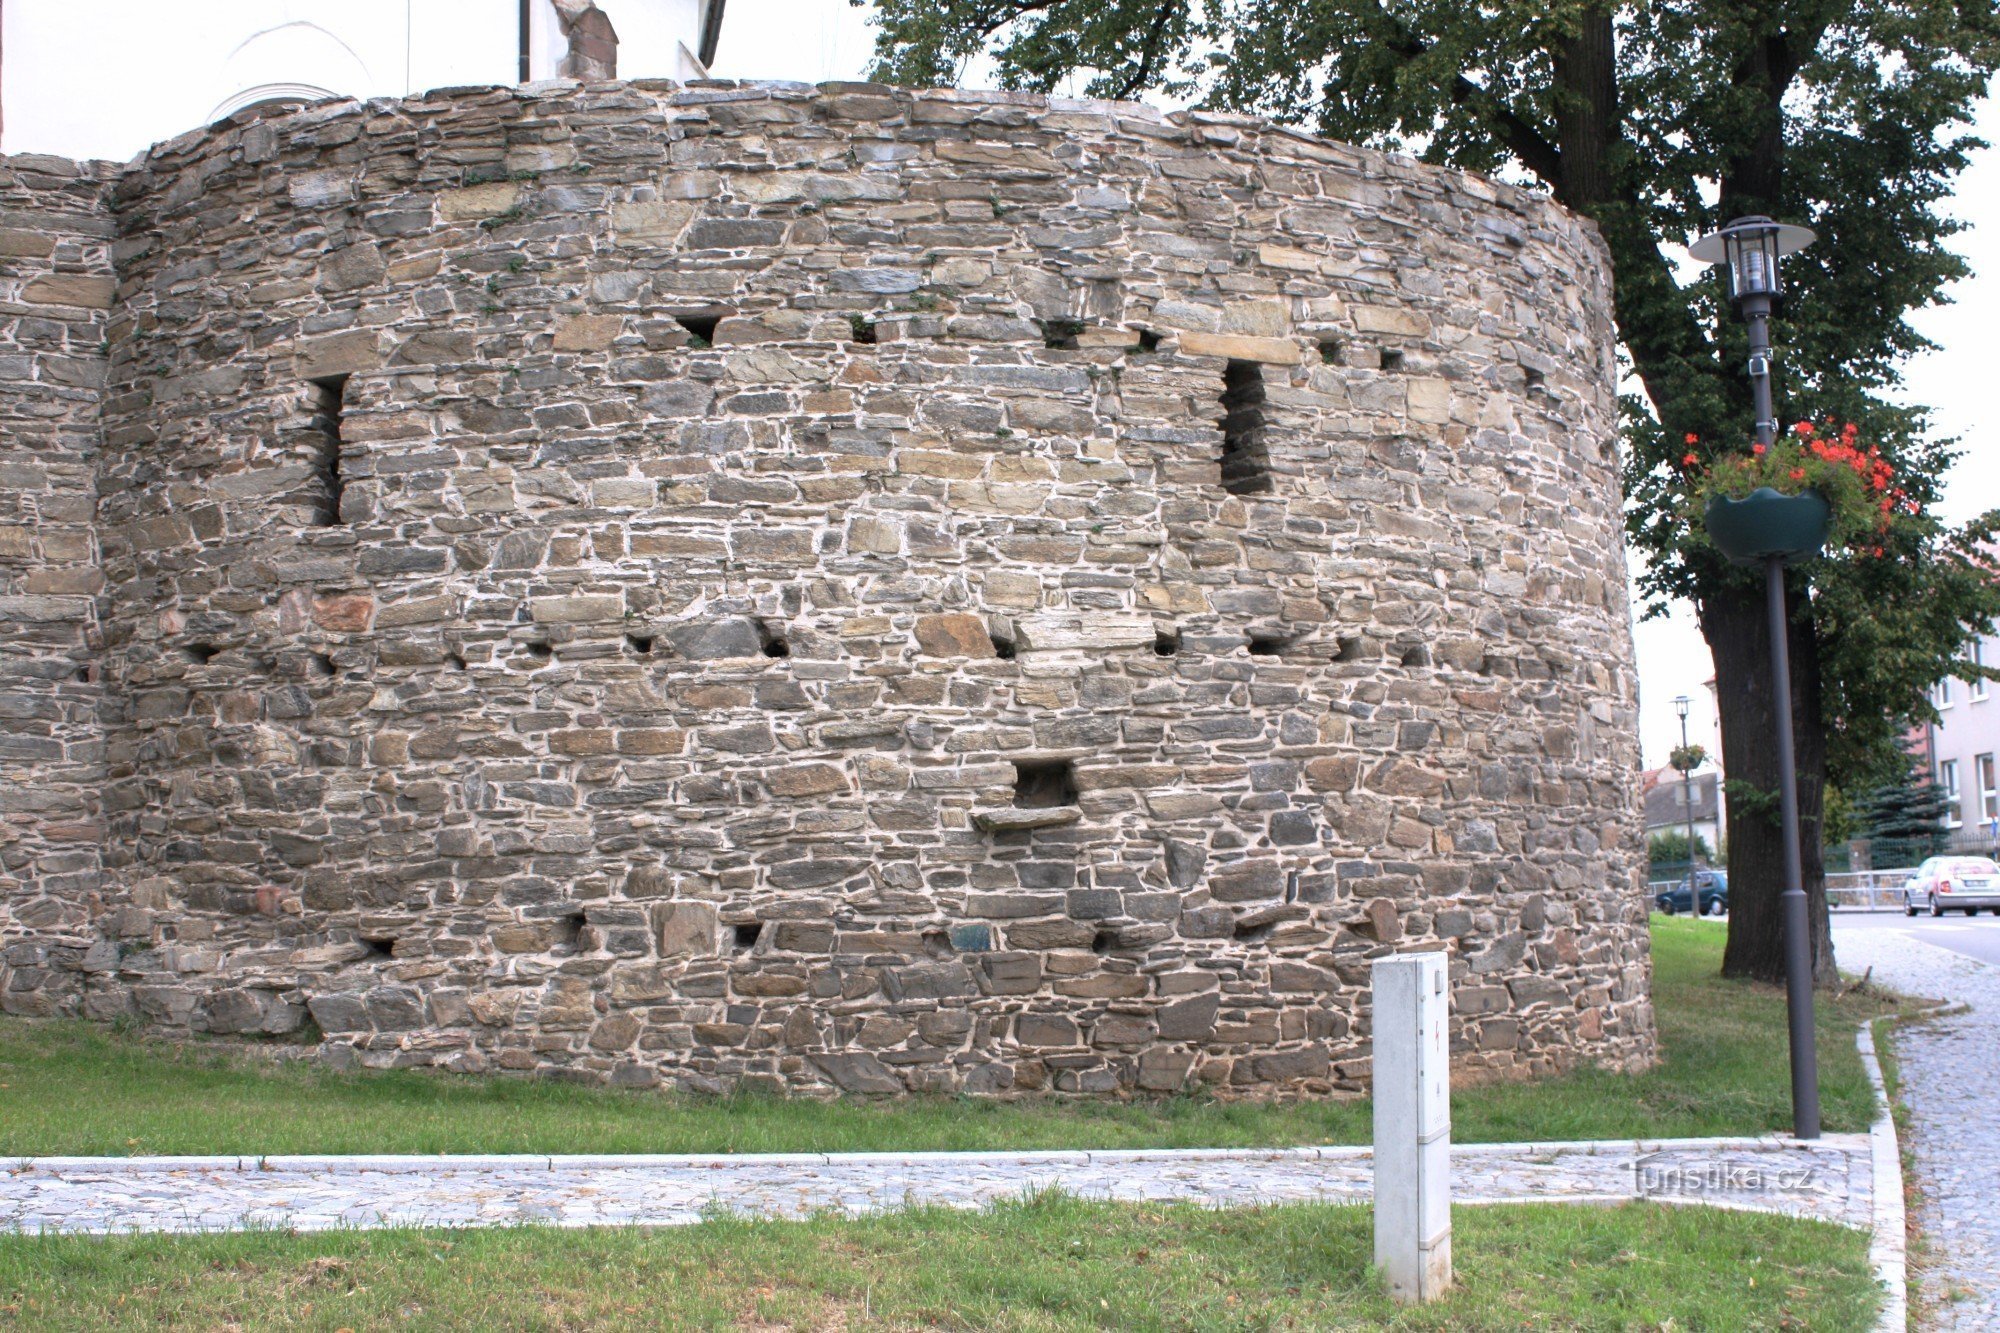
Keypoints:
pixel 817 588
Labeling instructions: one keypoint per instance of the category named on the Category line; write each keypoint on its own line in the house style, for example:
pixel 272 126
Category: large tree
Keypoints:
pixel 1658 121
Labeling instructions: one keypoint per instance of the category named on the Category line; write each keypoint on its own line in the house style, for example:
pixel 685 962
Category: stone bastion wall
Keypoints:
pixel 832 589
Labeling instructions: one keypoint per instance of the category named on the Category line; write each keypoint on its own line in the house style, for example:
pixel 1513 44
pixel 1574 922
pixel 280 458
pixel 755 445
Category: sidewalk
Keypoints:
pixel 1831 1180
pixel 1950 1080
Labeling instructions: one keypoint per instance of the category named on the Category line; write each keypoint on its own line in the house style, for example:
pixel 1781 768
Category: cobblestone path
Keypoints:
pixel 1829 1180
pixel 1951 1082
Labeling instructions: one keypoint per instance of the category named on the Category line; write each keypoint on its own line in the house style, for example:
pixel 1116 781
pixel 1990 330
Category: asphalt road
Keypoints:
pixel 1974 936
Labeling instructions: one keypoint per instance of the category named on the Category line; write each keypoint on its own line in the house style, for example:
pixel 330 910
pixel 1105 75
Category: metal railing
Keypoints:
pixel 1847 891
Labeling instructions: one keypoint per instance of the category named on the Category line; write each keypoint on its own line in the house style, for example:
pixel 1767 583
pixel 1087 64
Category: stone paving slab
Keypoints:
pixel 1950 1080
pixel 1829 1180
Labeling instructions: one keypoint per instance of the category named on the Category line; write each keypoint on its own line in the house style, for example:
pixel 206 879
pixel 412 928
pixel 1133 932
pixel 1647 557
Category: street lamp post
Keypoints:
pixel 1687 801
pixel 1749 249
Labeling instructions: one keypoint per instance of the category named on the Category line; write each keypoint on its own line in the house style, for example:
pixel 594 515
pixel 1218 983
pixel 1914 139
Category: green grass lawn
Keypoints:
pixel 72 1088
pixel 1045 1263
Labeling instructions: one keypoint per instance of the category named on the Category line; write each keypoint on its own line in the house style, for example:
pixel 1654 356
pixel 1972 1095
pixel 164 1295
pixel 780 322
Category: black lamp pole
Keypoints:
pixel 1687 802
pixel 1749 249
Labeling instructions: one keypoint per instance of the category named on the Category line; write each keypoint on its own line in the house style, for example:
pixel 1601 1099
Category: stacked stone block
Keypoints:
pixel 56 290
pixel 852 589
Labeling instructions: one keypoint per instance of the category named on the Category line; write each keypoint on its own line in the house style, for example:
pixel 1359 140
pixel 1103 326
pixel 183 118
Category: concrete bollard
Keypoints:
pixel 1412 1125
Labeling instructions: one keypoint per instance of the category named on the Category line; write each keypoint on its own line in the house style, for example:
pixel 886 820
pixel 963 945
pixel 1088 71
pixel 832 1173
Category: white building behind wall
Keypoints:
pixel 1965 749
pixel 107 78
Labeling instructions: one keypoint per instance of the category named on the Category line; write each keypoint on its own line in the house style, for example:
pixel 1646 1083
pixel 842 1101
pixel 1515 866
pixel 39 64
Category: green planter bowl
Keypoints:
pixel 1765 523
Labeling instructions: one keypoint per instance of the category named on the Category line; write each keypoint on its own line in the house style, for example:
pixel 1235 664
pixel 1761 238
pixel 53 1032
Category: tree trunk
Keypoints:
pixel 1733 619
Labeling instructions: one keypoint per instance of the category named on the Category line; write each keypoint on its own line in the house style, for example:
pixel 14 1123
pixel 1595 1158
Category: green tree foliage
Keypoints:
pixel 1669 850
pixel 1658 121
pixel 1904 818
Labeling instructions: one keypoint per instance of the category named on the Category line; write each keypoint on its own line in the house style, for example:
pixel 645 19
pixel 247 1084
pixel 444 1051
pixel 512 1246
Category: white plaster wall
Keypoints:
pixel 810 41
pixel 107 78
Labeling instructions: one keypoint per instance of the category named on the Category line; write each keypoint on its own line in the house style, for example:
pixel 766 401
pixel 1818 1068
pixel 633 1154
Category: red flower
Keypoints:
pixel 1688 461
pixel 1803 429
pixel 1798 474
pixel 1692 438
pixel 1757 449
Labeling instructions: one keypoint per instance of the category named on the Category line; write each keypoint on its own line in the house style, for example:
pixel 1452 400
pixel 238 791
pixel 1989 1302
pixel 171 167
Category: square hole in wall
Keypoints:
pixel 700 324
pixel 1041 784
pixel 1268 645
pixel 773 640
pixel 642 644
pixel 862 328
pixel 745 934
pixel 1149 341
pixel 1329 351
pixel 1392 359
pixel 1060 334
pixel 1166 642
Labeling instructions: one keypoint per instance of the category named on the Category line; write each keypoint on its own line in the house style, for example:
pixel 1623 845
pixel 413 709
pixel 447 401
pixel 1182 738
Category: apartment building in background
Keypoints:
pixel 1964 749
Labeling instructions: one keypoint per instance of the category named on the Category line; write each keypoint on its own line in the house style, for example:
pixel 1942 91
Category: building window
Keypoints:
pixel 1941 694
pixel 1975 653
pixel 1989 791
pixel 1948 783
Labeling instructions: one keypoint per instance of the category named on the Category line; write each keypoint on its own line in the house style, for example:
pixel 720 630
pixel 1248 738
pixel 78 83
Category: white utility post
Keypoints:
pixel 1412 1125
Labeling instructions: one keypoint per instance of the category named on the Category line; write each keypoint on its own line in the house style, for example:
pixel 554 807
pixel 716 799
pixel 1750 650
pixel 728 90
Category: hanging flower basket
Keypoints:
pixel 1766 523
pixel 1814 487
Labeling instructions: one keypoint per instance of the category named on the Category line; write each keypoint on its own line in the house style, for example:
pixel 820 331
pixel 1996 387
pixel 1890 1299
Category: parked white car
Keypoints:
pixel 1945 882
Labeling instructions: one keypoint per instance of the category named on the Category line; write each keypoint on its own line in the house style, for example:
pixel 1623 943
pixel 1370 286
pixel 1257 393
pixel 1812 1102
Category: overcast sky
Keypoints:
pixel 822 39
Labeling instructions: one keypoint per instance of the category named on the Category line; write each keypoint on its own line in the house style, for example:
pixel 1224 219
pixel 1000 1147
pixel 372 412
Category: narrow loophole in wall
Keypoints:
pixel 747 933
pixel 1268 645
pixel 1041 784
pixel 1415 655
pixel 1004 647
pixel 1060 334
pixel 378 946
pixel 569 931
pixel 1149 341
pixel 1166 642
pixel 1329 351
pixel 642 644
pixel 700 325
pixel 863 329
pixel 329 405
pixel 199 653
pixel 1392 360
pixel 319 664
pixel 1246 460
pixel 774 641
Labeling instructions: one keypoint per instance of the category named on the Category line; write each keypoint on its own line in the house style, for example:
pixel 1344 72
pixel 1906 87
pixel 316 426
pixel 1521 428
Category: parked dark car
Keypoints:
pixel 1714 888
